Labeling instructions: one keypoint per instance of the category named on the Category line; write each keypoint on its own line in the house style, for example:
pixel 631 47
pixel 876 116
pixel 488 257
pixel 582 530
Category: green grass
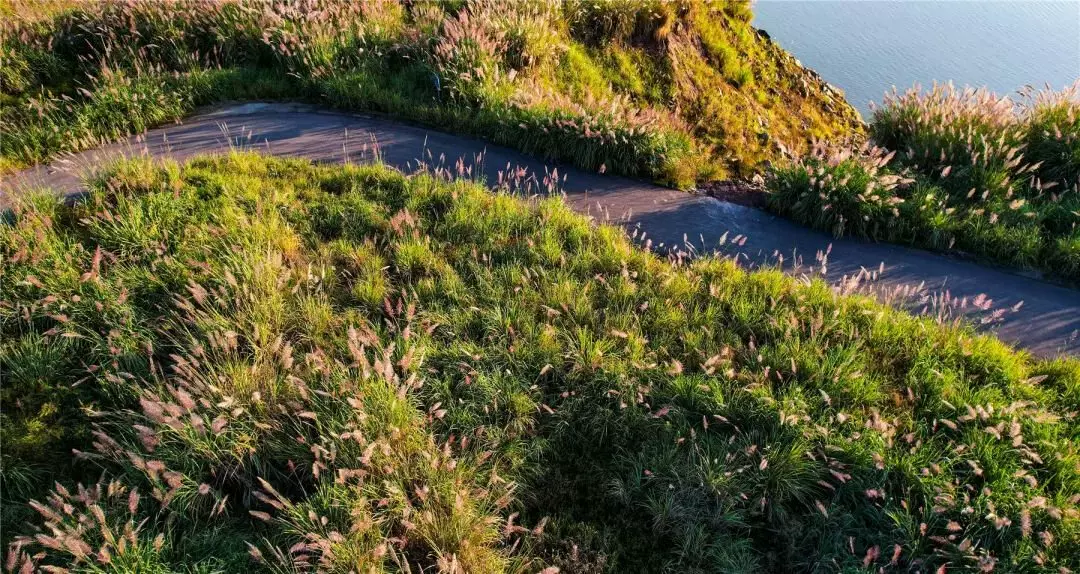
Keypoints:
pixel 349 367
pixel 122 105
pixel 605 84
pixel 971 172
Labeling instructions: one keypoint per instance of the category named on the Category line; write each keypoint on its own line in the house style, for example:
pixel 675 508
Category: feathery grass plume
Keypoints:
pixel 846 192
pixel 1052 123
pixel 97 528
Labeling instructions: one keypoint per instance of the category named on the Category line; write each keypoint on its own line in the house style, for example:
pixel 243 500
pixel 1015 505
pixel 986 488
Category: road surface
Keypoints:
pixel 1032 314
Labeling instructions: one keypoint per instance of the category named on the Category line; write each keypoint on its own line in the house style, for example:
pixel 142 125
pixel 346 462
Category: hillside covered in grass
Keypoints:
pixel 673 91
pixel 267 365
pixel 954 170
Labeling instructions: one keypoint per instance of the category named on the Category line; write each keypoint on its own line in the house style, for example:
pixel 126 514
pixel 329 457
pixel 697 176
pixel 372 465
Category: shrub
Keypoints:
pixel 843 192
pixel 467 57
pixel 637 21
pixel 1053 135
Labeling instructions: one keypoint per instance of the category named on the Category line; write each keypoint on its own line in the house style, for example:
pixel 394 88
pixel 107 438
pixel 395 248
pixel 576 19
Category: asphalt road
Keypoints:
pixel 1030 313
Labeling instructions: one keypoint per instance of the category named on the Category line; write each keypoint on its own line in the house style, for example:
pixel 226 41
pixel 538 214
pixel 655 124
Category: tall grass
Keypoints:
pixel 482 67
pixel 267 363
pixel 968 171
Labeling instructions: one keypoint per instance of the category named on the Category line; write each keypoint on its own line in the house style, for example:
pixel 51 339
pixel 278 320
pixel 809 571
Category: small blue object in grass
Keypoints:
pixel 438 86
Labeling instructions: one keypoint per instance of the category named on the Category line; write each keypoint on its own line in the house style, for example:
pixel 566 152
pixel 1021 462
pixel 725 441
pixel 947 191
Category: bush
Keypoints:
pixel 1053 135
pixel 845 193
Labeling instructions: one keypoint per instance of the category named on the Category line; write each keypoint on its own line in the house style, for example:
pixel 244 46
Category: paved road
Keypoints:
pixel 1047 322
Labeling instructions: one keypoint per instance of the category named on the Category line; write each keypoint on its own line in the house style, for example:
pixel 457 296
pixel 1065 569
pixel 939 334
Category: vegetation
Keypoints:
pixel 967 171
pixel 248 363
pixel 673 91
pixel 271 365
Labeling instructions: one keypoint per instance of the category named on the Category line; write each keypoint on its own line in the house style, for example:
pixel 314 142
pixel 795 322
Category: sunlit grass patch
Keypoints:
pixel 968 172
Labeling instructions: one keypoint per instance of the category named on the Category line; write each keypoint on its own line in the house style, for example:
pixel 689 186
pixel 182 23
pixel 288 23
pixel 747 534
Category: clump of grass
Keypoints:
pixel 119 105
pixel 842 191
pixel 347 368
pixel 481 67
pixel 1052 134
pixel 982 175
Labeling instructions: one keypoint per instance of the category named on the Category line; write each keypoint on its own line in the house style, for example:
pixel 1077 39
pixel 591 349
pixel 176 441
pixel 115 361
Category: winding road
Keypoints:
pixel 1027 312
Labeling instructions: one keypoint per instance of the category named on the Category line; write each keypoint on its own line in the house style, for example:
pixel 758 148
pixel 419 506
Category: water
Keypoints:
pixel 865 47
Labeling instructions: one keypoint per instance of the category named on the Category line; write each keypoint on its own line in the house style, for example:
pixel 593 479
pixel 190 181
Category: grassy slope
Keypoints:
pixel 678 91
pixel 368 370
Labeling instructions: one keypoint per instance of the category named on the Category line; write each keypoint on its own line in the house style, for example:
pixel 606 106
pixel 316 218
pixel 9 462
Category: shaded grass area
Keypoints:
pixel 123 105
pixel 677 92
pixel 968 172
pixel 269 364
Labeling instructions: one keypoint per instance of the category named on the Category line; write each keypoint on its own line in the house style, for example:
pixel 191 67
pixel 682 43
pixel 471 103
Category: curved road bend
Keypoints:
pixel 1047 323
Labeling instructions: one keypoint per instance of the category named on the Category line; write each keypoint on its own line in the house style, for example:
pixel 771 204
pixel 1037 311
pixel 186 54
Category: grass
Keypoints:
pixel 967 171
pixel 676 92
pixel 271 365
